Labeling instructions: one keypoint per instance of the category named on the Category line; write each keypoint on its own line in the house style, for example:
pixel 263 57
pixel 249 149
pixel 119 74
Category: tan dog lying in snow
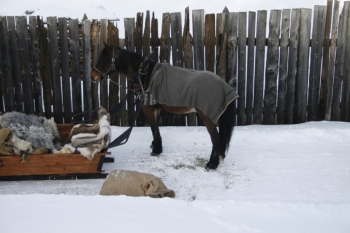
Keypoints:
pixel 90 139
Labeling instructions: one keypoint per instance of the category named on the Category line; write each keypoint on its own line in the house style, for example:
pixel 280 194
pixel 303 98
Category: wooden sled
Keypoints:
pixel 54 166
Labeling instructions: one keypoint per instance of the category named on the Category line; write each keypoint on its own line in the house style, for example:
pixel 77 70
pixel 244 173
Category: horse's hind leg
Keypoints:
pixel 215 139
pixel 152 115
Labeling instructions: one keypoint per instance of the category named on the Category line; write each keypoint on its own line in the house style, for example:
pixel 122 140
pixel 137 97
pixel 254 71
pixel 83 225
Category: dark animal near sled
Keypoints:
pixel 175 90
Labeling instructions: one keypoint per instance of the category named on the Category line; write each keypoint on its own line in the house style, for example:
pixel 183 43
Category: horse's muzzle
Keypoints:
pixel 95 76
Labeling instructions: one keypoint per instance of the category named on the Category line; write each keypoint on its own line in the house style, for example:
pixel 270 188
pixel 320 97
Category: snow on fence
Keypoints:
pixel 290 68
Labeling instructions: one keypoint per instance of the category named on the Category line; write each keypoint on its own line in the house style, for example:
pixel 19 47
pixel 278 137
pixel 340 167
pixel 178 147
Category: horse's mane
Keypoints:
pixel 127 58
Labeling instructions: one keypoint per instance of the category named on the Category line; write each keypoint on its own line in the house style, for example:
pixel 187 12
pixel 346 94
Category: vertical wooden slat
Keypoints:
pixel 339 65
pixel 292 66
pixel 129 24
pixel 45 66
pixel 6 74
pixel 56 79
pixel 37 79
pixel 209 42
pixel 283 68
pixel 66 83
pixel 103 83
pixel 86 25
pixel 221 58
pixel 198 38
pixel 96 49
pixel 272 68
pixel 188 59
pixel 74 50
pixel 15 64
pixel 303 67
pixel 250 66
pixel 113 39
pixel 231 27
pixel 344 114
pixel 242 61
pixel 154 38
pixel 331 68
pixel 2 82
pixel 259 66
pixel 146 41
pixel 177 52
pixel 315 63
pixel 325 88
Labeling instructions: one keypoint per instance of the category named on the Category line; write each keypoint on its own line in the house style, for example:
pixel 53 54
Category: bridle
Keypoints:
pixel 111 68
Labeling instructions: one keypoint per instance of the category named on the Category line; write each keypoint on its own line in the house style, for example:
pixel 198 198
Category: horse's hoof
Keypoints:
pixel 211 166
pixel 154 154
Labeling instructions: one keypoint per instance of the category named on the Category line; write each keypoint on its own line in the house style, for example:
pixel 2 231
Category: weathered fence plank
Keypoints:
pixel 242 61
pixel 231 27
pixel 250 65
pixel 86 25
pixel 259 66
pixel 315 63
pixel 331 68
pixel 303 67
pixel 154 38
pixel 344 114
pixel 292 66
pixel 339 66
pixel 198 38
pixel 56 76
pixel 66 83
pixel 74 50
pixel 103 83
pixel 6 73
pixel 272 68
pixel 209 42
pixel 95 43
pixel 146 41
pixel 283 67
pixel 34 54
pixel 15 64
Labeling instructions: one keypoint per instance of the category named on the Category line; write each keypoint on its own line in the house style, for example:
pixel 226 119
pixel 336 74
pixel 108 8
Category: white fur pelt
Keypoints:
pixel 91 138
pixel 38 131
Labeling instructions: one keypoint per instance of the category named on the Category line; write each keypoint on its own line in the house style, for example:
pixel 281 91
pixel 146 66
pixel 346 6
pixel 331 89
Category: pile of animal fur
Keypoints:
pixel 89 139
pixel 30 134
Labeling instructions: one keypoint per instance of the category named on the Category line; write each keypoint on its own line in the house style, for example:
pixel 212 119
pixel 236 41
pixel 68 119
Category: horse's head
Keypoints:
pixel 106 63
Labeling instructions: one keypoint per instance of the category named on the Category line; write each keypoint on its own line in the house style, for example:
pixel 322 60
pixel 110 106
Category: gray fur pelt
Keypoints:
pixel 39 131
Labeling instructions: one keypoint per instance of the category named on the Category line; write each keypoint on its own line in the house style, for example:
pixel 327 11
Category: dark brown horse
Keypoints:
pixel 211 98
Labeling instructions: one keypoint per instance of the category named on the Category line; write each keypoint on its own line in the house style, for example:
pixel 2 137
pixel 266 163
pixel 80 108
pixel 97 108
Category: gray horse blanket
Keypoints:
pixel 180 87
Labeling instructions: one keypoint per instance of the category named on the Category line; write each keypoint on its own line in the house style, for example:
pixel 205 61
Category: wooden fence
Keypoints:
pixel 296 71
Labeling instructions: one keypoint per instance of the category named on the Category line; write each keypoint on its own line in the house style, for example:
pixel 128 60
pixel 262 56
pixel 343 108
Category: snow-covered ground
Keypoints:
pixel 285 178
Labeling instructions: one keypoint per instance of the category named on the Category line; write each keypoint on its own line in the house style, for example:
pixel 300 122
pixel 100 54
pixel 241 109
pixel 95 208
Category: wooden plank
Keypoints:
pixel 96 49
pixel 154 38
pixel 66 82
pixel 103 82
pixel 129 25
pixel 325 88
pixel 198 38
pixel 344 113
pixel 55 66
pixel 292 66
pixel 242 62
pixel 146 41
pixel 25 64
pixel 221 56
pixel 209 42
pixel 303 67
pixel 231 26
pixel 188 59
pixel 315 63
pixel 331 68
pixel 6 73
pixel 37 79
pixel 283 67
pixel 113 39
pixel 2 82
pixel 272 68
pixel 74 50
pixel 177 53
pixel 141 118
pixel 86 65
pixel 339 65
pixel 250 67
pixel 259 66
pixel 15 64
pixel 45 67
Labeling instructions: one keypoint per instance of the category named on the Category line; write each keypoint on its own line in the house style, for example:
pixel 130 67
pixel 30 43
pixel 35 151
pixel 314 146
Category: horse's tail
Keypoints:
pixel 226 123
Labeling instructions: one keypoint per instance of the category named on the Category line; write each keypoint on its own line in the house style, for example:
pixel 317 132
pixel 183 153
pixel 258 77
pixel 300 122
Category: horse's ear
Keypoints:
pixel 105 44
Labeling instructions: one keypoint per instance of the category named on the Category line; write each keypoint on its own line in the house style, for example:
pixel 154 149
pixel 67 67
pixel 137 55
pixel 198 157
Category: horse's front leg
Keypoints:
pixel 151 113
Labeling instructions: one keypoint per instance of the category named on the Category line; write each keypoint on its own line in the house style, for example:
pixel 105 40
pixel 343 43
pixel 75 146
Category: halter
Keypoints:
pixel 111 68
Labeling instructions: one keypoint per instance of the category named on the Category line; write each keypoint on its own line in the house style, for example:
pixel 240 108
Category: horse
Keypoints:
pixel 148 75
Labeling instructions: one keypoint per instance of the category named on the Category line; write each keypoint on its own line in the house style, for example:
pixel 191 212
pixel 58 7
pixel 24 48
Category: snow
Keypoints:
pixel 281 178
